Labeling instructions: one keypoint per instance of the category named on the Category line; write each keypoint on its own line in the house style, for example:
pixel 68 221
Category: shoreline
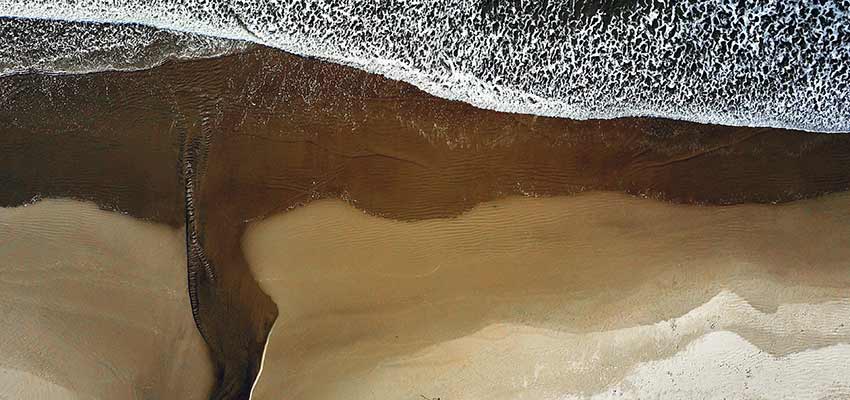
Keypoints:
pixel 581 74
pixel 274 132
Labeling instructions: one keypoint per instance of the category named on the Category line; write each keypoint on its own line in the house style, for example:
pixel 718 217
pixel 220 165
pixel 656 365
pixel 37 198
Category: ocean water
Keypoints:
pixel 767 63
pixel 33 45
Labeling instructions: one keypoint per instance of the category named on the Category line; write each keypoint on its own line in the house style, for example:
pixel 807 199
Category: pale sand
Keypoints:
pixel 94 305
pixel 589 294
pixel 511 361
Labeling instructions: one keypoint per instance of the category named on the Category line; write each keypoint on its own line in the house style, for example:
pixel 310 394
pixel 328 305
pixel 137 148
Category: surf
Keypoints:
pixel 774 64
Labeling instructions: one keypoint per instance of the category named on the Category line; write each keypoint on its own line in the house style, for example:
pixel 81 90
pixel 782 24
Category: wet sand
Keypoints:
pixel 539 298
pixel 247 136
pixel 95 306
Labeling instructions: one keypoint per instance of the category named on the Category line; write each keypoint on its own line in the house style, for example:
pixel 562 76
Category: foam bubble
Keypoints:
pixel 770 63
pixel 29 45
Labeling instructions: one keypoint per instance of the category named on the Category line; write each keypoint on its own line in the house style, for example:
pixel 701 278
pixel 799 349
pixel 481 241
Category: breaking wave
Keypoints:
pixel 773 63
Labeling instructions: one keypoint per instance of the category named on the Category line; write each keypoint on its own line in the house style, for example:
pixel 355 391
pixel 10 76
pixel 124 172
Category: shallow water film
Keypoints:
pixel 424 200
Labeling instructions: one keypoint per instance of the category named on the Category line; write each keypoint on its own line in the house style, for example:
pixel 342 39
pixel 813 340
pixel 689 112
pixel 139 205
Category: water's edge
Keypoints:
pixel 686 61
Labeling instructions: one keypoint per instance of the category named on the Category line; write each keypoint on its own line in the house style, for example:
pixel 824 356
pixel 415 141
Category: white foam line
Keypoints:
pixel 663 60
pixel 262 359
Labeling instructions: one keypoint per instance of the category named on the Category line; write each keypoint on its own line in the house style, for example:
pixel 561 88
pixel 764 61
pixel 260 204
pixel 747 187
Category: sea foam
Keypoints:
pixel 32 45
pixel 767 63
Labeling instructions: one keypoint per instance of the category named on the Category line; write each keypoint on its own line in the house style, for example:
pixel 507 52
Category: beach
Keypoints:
pixel 95 306
pixel 440 222
pixel 543 298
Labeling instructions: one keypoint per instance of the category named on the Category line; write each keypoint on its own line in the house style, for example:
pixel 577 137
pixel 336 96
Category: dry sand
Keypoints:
pixel 542 298
pixel 94 306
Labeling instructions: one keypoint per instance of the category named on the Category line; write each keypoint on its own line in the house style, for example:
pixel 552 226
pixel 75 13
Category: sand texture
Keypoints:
pixel 95 306
pixel 541 298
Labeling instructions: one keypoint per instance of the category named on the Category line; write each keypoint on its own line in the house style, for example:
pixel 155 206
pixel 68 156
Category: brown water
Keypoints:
pixel 247 137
